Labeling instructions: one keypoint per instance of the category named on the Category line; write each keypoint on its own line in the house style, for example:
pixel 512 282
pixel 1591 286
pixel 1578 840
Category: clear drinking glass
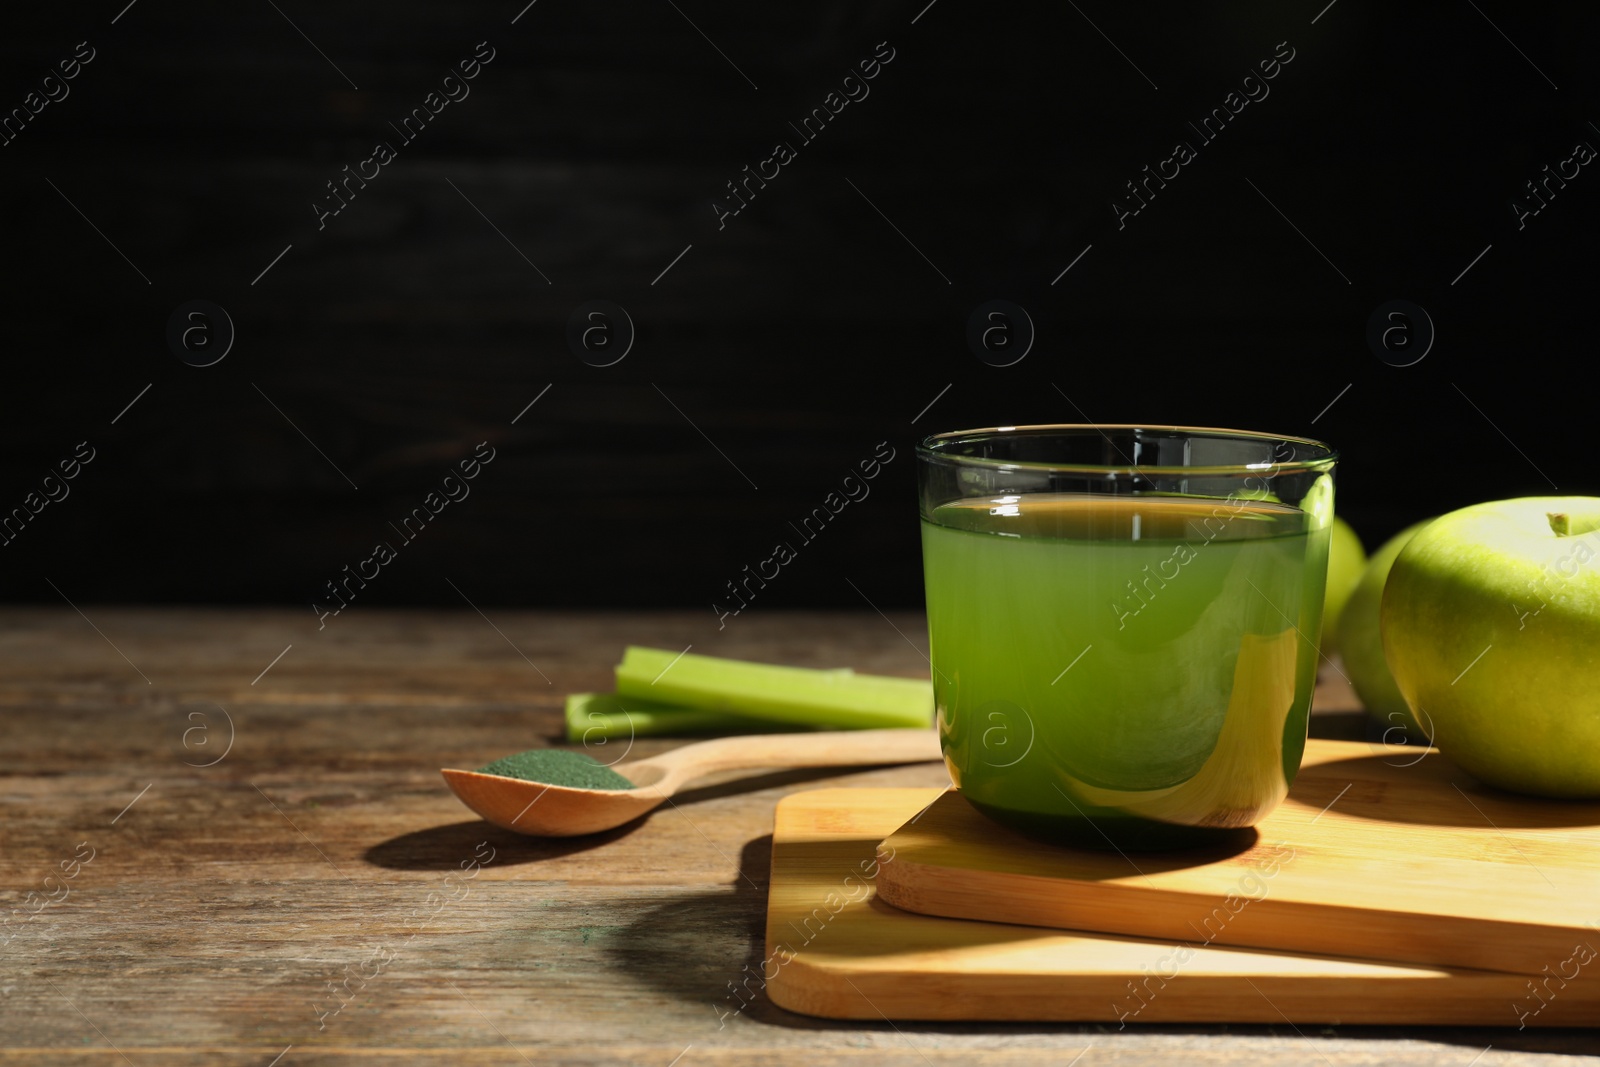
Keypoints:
pixel 1122 624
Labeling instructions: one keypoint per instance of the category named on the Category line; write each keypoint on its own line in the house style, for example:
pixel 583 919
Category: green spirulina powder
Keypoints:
pixel 558 766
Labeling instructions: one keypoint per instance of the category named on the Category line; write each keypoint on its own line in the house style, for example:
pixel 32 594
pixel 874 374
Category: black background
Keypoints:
pixel 797 337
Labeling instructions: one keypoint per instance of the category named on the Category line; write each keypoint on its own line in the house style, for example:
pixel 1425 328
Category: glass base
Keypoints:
pixel 1119 833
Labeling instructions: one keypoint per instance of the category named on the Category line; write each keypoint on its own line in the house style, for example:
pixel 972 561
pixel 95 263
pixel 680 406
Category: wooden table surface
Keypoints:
pixel 309 893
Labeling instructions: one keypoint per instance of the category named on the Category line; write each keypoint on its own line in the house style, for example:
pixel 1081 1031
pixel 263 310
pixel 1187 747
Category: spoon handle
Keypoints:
pixel 839 748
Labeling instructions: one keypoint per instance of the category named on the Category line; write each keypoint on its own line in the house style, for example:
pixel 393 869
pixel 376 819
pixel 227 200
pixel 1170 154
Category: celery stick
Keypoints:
pixel 596 717
pixel 801 696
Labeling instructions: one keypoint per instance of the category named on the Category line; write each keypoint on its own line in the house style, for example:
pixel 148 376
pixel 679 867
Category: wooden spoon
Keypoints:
pixel 545 810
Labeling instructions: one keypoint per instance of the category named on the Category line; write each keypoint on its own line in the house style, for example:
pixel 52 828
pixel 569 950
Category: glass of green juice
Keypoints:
pixel 1122 624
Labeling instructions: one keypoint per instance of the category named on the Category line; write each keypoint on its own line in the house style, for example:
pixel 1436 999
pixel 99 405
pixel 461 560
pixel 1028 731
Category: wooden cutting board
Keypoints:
pixel 1380 852
pixel 836 951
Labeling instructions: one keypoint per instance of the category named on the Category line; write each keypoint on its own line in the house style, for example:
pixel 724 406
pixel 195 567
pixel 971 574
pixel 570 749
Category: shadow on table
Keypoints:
pixel 441 848
pixel 709 937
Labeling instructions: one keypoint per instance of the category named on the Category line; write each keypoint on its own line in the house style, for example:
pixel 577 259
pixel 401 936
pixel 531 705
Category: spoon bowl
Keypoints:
pixel 542 809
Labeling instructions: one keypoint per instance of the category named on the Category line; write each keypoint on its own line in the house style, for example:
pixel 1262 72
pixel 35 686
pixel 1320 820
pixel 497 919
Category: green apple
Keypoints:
pixel 1361 642
pixel 1491 625
pixel 1346 560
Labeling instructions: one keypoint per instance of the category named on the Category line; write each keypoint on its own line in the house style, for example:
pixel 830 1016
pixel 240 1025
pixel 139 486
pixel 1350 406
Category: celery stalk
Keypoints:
pixel 596 717
pixel 799 696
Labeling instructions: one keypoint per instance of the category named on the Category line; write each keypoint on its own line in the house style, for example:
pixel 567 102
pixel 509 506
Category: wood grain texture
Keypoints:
pixel 1370 856
pixel 835 949
pixel 207 926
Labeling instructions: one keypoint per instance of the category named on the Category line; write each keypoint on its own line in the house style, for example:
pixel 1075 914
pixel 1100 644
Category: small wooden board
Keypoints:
pixel 835 951
pixel 1377 854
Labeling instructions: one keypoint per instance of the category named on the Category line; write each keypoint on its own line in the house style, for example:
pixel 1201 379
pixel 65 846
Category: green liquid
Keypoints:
pixel 1130 671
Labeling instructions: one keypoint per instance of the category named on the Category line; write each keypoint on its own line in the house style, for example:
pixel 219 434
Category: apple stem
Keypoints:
pixel 1559 523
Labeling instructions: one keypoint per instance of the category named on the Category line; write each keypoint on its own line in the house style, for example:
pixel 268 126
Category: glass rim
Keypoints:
pixel 928 450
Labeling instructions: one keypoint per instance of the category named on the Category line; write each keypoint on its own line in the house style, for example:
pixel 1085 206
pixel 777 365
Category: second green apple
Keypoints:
pixel 1361 642
pixel 1346 561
